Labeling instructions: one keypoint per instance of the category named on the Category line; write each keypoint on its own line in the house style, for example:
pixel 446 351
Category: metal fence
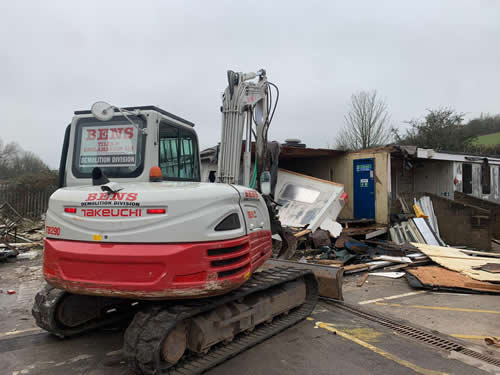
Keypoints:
pixel 27 201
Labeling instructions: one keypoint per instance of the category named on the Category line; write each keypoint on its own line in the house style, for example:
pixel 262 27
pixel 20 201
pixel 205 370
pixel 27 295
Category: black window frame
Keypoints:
pixel 194 136
pixel 467 184
pixel 485 177
pixel 91 121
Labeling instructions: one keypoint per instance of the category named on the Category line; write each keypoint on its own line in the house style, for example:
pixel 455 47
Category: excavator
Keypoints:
pixel 133 236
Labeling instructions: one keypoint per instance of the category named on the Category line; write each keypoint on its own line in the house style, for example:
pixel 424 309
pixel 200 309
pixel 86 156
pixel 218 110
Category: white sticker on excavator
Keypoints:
pixel 108 146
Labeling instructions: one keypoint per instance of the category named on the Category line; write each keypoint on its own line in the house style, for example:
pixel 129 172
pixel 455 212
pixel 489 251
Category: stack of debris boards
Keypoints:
pixel 18 235
pixel 458 270
pixel 423 228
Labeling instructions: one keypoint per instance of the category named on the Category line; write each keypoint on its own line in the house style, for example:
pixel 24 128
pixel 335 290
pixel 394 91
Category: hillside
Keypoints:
pixel 487 139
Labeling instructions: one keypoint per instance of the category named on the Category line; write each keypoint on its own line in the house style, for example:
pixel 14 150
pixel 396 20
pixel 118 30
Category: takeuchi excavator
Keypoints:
pixel 132 235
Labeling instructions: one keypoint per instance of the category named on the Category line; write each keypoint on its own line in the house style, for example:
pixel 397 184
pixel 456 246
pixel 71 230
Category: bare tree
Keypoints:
pixel 15 162
pixel 366 123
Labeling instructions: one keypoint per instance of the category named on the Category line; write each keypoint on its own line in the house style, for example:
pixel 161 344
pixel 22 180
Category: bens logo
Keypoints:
pixel 131 197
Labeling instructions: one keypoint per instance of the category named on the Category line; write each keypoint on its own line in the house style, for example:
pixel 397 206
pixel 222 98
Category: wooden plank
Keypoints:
pixel 476 285
pixel 302 233
pixel 353 267
pixel 328 262
pixel 483 253
pixel 363 279
pixel 375 233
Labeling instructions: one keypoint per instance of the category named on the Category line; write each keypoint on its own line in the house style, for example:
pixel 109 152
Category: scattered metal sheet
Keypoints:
pixel 396 234
pixel 307 200
pixel 415 232
pixel 391 275
pixel 426 231
pixel 392 259
pixel 425 203
pixel 331 226
pixel 329 277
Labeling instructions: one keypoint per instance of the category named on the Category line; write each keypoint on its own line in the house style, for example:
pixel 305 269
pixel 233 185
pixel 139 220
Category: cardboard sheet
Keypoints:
pixel 433 277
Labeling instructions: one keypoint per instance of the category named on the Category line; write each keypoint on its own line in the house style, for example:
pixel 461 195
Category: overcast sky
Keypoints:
pixel 59 56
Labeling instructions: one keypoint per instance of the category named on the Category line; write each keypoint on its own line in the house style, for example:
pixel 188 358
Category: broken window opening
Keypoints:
pixel 467 178
pixel 485 177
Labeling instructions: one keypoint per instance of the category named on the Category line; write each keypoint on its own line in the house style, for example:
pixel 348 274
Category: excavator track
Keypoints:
pixel 48 310
pixel 146 335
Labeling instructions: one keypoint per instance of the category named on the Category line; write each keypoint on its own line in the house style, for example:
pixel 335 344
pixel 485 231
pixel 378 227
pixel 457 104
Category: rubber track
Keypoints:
pixel 44 312
pixel 147 331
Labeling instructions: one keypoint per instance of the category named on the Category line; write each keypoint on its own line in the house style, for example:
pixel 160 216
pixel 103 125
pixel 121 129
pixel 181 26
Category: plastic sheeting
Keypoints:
pixel 307 201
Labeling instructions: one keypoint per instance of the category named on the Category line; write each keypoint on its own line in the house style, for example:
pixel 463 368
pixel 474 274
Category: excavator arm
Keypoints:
pixel 246 116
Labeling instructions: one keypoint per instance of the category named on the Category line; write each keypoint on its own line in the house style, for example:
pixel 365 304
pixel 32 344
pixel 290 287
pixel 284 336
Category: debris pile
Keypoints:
pixel 20 237
pixel 411 247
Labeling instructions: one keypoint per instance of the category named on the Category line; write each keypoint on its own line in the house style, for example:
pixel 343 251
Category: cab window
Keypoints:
pixel 178 150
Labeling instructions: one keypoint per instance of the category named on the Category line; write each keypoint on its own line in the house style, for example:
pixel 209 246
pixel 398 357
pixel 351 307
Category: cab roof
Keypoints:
pixel 145 108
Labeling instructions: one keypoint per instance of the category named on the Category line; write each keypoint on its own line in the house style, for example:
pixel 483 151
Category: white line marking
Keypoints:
pixel 392 297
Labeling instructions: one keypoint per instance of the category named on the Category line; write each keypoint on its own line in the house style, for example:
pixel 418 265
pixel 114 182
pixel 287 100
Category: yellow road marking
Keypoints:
pixel 438 308
pixel 420 370
pixel 365 334
pixel 12 333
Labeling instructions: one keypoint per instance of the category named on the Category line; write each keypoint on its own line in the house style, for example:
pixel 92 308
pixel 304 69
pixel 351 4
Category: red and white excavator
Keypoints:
pixel 132 232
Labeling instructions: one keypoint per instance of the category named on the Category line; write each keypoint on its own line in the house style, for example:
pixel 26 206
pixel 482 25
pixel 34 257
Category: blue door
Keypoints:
pixel 364 188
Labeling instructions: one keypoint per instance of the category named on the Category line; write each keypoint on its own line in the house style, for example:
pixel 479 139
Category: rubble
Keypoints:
pixel 411 246
pixel 18 234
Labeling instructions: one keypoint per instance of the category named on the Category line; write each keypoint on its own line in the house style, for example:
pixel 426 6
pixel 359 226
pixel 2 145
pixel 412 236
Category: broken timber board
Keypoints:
pixel 327 262
pixel 396 267
pixel 435 277
pixel 363 279
pixel 455 260
pixel 329 277
pixel 302 233
pixel 375 233
pixel 482 253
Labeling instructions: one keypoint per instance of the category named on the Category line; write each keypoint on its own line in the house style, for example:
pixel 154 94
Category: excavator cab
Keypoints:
pixel 126 147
